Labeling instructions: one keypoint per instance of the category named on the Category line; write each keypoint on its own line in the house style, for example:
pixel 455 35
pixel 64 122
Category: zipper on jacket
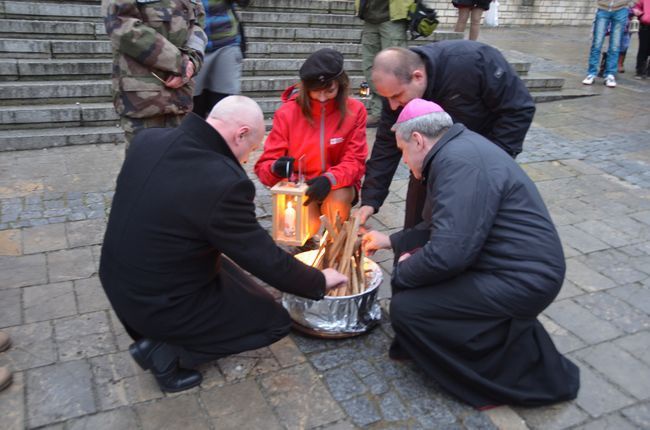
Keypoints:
pixel 322 138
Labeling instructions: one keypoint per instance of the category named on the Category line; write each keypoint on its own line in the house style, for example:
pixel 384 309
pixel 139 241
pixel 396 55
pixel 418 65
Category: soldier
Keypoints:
pixel 158 47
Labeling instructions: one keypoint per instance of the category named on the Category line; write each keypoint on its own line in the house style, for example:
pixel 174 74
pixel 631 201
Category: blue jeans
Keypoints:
pixel 603 19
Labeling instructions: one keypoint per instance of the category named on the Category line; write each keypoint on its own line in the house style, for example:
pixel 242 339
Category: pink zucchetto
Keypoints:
pixel 416 108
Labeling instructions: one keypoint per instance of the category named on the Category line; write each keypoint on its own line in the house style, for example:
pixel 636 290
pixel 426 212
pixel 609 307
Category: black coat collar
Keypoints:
pixel 450 134
pixel 204 133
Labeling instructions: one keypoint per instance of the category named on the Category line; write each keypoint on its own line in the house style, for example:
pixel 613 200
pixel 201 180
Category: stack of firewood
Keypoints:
pixel 341 249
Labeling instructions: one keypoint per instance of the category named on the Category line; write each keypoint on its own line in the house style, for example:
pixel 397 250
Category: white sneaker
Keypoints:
pixel 589 80
pixel 610 81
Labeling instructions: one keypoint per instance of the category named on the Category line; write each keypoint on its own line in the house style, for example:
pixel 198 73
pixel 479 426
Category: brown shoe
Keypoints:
pixel 5 341
pixel 5 377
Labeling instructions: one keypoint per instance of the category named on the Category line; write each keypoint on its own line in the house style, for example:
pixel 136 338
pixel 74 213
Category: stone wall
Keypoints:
pixel 527 12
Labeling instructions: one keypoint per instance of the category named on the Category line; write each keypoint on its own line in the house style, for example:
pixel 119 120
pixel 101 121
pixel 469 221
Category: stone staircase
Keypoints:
pixel 55 64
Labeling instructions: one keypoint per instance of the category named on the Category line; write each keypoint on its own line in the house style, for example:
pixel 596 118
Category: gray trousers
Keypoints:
pixel 374 38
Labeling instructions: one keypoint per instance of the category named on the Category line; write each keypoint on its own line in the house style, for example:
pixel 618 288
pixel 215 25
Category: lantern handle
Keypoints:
pixel 301 178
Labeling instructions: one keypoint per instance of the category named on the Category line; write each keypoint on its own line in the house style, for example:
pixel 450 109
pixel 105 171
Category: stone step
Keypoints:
pixel 552 96
pixel 24 48
pixel 34 93
pixel 34 29
pixel 16 140
pixel 303 6
pixel 541 82
pixel 59 115
pixel 299 19
pixel 299 49
pixel 311 34
pixel 54 11
pixel 253 86
pixel 31 69
pixel 287 66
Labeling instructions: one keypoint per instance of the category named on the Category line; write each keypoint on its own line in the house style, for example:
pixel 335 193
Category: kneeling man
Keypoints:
pixel 183 201
pixel 472 278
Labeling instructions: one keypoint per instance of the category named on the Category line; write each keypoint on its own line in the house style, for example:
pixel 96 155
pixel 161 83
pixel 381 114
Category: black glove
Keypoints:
pixel 283 167
pixel 319 188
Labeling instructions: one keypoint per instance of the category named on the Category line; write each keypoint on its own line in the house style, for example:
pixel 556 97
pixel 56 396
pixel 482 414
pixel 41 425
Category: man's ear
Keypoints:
pixel 418 75
pixel 419 140
pixel 241 134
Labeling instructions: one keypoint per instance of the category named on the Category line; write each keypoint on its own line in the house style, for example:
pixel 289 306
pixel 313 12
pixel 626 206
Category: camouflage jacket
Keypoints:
pixel 153 39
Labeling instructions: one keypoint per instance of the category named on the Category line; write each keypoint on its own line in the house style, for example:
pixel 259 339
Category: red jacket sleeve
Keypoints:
pixel 352 166
pixel 276 146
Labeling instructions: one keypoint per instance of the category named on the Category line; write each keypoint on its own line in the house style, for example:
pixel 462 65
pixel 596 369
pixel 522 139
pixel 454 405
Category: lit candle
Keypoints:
pixel 289 219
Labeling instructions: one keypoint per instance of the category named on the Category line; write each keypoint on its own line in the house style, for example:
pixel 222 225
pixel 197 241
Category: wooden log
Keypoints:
pixel 352 231
pixel 328 227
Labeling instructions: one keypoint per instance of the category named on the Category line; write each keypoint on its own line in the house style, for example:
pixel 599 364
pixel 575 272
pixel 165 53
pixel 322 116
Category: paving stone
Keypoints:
pixel 10 307
pixel 597 396
pixel 182 411
pixel 309 345
pixel 330 359
pixel 585 277
pixel 70 264
pixel 637 344
pixel 376 383
pixel 478 421
pixel 45 302
pixel 569 289
pixel 59 392
pixel 613 421
pixel 362 368
pixel 341 425
pixel 83 336
pixel 343 383
pixel 581 322
pixel 44 238
pixel 299 397
pixel 12 404
pixel 250 363
pixel 639 415
pixel 643 216
pixel 580 240
pixel 120 382
pixel 84 233
pixel 90 295
pixel 612 309
pixel 32 345
pixel 22 271
pixel 564 340
pixel 212 376
pixel 635 294
pixel 504 417
pixel 605 233
pixel 361 410
pixel 553 417
pixel 392 408
pixel 619 367
pixel 615 265
pixel 224 405
pixel 11 242
pixel 123 418
pixel 286 352
pixel 122 338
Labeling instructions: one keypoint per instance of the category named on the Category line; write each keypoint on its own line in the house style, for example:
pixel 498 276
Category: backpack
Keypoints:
pixel 423 20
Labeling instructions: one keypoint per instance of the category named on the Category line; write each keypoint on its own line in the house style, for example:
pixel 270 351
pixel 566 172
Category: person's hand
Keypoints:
pixel 178 81
pixel 404 256
pixel 333 278
pixel 363 213
pixel 319 188
pixel 373 241
pixel 283 167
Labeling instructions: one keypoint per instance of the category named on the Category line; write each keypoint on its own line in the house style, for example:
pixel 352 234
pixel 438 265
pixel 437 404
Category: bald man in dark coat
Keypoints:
pixel 182 202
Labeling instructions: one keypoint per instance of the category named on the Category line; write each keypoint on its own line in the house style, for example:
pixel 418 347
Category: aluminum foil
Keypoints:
pixel 342 315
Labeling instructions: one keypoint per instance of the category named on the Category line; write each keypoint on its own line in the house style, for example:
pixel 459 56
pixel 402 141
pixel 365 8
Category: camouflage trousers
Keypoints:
pixel 374 38
pixel 132 126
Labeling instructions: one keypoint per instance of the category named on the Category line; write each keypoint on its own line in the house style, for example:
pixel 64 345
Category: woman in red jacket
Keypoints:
pixel 319 124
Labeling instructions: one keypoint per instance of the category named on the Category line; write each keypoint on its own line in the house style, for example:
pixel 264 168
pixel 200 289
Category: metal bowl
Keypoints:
pixel 335 317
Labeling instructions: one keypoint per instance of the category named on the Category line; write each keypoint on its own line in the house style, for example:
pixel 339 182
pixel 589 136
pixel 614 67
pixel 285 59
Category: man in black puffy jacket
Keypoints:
pixel 472 82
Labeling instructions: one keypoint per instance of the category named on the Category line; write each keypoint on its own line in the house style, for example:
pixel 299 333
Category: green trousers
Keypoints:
pixel 374 38
pixel 133 125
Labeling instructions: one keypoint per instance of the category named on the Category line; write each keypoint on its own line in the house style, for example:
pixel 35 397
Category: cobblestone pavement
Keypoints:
pixel 588 156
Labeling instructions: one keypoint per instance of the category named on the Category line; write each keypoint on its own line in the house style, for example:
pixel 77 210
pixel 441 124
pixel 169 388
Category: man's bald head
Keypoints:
pixel 399 62
pixel 399 75
pixel 240 121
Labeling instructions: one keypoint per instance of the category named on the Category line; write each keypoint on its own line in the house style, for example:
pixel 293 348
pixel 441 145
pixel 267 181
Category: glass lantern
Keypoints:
pixel 290 217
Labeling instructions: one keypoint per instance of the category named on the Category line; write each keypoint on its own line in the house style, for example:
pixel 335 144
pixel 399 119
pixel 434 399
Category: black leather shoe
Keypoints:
pixel 162 360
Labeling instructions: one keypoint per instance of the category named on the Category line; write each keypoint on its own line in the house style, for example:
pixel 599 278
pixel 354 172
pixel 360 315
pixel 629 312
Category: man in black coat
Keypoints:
pixel 473 83
pixel 182 201
pixel 474 275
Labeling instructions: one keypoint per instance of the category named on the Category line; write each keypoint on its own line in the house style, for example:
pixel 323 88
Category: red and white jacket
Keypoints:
pixel 343 155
